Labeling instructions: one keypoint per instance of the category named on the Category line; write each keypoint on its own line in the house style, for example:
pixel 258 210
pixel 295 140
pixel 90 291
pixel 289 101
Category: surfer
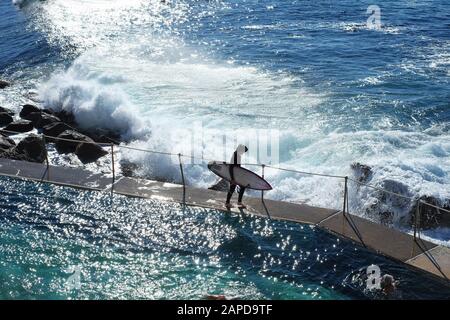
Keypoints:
pixel 236 162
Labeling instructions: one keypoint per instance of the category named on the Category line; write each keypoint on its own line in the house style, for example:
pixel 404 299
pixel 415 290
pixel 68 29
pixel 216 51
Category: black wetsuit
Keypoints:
pixel 235 163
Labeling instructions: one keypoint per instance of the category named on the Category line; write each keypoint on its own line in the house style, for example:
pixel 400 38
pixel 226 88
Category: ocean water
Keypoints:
pixel 337 91
pixel 60 243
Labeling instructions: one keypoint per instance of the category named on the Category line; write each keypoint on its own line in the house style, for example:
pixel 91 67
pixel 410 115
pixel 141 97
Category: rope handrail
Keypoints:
pixel 434 206
pixel 102 144
pixel 305 172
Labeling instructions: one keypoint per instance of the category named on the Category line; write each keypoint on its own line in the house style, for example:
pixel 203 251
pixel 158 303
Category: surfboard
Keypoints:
pixel 242 177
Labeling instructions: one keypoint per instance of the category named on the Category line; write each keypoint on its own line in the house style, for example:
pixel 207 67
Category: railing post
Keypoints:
pixel 182 177
pixel 262 191
pixel 418 218
pixel 46 157
pixel 344 207
pixel 113 169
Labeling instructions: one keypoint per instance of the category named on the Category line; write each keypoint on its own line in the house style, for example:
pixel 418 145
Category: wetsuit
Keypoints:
pixel 235 162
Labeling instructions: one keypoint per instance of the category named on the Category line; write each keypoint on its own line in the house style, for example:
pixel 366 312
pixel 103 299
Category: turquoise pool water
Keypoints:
pixel 142 249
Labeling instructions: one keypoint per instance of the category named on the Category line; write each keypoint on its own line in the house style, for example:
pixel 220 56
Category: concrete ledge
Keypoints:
pixel 440 255
pixel 64 176
pixel 389 242
pixel 382 239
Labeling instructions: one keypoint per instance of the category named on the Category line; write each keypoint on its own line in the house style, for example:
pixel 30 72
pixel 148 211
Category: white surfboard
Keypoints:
pixel 242 177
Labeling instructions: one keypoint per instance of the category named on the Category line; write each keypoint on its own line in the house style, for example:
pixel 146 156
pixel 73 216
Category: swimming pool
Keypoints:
pixel 132 248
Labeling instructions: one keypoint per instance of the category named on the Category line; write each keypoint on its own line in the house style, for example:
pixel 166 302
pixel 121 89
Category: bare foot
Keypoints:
pixel 241 205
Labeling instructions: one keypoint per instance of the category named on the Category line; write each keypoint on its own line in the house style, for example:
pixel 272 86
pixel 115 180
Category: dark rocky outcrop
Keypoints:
pixel 431 217
pixel 104 136
pixel 34 117
pixel 222 185
pixel 46 119
pixel 6 143
pixel 65 146
pixel 5 119
pixel 4 84
pixel 386 206
pixel 19 126
pixel 65 116
pixel 42 119
pixel 362 172
pixel 33 147
pixel 4 110
pixel 48 111
pixel 27 110
pixel 88 152
pixel 55 129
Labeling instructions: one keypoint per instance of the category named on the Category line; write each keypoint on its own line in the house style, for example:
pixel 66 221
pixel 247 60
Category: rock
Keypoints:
pixel 18 126
pixel 431 217
pixel 27 110
pixel 6 143
pixel 5 119
pixel 4 84
pixel 42 119
pixel 46 119
pixel 88 152
pixel 104 136
pixel 12 154
pixel 386 207
pixel 222 185
pixel 64 146
pixel 362 172
pixel 55 129
pixel 33 147
pixel 34 117
pixel 4 110
pixel 48 111
pixel 66 117
pixel 128 169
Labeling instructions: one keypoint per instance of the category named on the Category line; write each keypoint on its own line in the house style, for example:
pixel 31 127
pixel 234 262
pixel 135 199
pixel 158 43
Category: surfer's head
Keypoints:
pixel 241 149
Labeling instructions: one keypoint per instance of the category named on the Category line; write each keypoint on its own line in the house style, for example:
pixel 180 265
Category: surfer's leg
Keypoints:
pixel 230 192
pixel 241 194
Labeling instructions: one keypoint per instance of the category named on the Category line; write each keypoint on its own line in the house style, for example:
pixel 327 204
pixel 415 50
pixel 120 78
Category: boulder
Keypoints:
pixel 64 146
pixel 6 143
pixel 88 152
pixel 4 110
pixel 4 84
pixel 27 110
pixel 55 129
pixel 48 111
pixel 222 185
pixel 34 117
pixel 18 126
pixel 42 119
pixel 362 172
pixel 65 116
pixel 12 154
pixel 46 119
pixel 5 119
pixel 33 147
pixel 431 217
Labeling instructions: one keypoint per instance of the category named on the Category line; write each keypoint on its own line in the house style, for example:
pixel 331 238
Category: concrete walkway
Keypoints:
pixel 423 255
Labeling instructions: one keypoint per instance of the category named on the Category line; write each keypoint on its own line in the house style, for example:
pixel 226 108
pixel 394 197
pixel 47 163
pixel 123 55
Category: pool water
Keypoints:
pixel 62 243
